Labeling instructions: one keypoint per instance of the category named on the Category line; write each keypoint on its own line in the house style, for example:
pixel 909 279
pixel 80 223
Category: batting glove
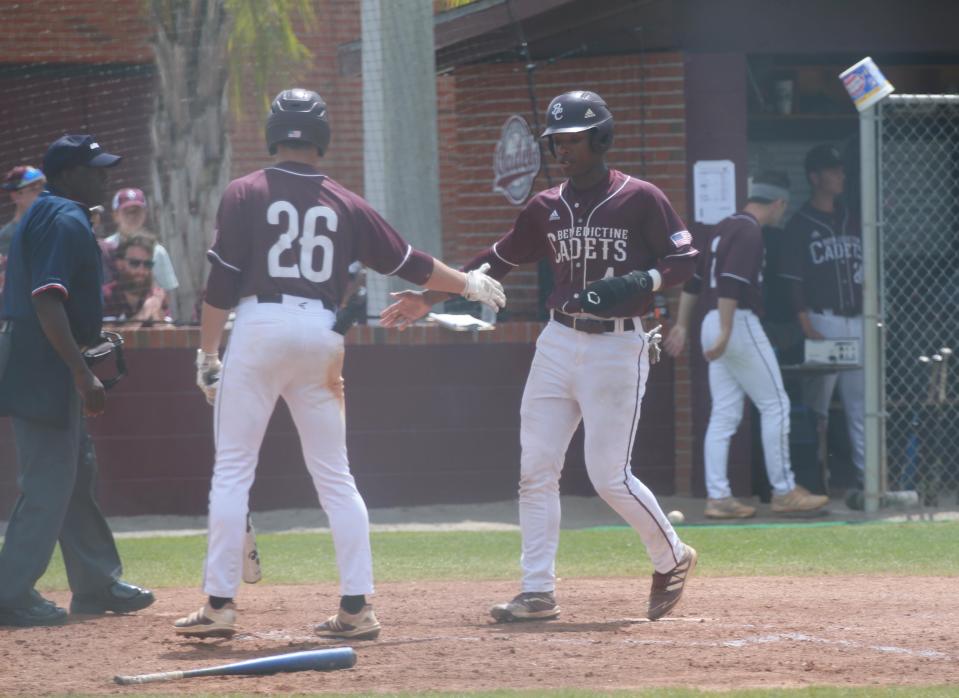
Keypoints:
pixel 604 294
pixel 653 338
pixel 483 288
pixel 208 369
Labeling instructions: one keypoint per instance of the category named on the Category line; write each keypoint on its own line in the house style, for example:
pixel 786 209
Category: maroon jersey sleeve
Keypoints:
pixel 739 257
pixel 525 243
pixel 694 285
pixel 231 249
pixel 381 248
pixel 668 239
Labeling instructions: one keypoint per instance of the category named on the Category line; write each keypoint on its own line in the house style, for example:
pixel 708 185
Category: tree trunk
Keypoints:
pixel 189 133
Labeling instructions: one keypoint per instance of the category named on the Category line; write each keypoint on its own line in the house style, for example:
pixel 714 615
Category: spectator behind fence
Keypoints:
pixel 822 258
pixel 24 183
pixel 53 307
pixel 133 295
pixel 130 216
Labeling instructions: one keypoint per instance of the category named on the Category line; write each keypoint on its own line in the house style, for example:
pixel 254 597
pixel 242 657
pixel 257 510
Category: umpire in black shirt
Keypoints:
pixel 52 307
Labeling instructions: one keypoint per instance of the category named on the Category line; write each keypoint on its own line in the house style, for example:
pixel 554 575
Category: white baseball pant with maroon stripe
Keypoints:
pixel 283 350
pixel 599 379
pixel 748 367
pixel 818 390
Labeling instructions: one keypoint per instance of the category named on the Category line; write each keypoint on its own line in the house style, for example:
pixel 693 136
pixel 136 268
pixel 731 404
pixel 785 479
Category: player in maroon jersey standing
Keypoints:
pixel 286 237
pixel 612 240
pixel 741 359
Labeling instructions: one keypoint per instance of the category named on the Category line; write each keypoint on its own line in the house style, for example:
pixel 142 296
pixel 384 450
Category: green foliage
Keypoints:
pixel 297 558
pixel 264 42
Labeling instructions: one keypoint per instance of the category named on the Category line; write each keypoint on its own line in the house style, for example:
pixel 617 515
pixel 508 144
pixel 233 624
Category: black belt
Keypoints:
pixel 269 298
pixel 590 326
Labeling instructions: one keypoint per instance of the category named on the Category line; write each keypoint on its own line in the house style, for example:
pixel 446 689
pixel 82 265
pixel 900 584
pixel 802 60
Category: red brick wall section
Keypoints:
pixel 74 31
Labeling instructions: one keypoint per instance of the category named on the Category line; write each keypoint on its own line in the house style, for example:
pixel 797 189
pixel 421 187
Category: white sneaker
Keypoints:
pixel 530 605
pixel 357 626
pixel 208 622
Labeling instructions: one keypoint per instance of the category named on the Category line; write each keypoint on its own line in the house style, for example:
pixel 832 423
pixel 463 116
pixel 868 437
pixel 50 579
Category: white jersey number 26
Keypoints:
pixel 309 241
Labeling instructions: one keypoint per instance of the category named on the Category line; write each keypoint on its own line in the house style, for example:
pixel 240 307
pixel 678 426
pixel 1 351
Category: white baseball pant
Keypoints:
pixel 599 378
pixel 283 350
pixel 748 367
pixel 818 390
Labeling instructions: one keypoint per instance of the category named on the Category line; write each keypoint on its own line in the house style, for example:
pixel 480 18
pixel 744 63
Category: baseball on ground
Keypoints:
pixel 675 517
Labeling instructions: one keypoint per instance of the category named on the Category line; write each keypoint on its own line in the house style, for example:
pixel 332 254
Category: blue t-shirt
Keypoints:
pixel 54 250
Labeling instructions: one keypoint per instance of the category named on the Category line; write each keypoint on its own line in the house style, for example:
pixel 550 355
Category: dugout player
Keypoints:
pixel 612 241
pixel 822 260
pixel 741 359
pixel 285 240
pixel 52 307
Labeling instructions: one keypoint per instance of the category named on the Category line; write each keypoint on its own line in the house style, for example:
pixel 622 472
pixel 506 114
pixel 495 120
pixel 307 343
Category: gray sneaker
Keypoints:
pixel 728 508
pixel 530 605
pixel 798 500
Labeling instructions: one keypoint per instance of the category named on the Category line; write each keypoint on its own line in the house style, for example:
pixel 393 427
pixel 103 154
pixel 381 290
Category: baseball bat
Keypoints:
pixel 313 660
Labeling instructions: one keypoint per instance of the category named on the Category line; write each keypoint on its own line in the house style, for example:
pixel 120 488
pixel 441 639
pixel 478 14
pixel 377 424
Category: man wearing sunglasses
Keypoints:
pixel 133 295
pixel 53 307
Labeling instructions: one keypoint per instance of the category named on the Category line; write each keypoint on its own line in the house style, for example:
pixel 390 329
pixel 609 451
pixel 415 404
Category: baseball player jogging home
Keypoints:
pixel 612 241
pixel 286 237
pixel 741 359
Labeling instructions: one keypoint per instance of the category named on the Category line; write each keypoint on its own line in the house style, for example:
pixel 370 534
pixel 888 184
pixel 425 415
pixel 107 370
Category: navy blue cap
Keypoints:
pixel 823 157
pixel 73 150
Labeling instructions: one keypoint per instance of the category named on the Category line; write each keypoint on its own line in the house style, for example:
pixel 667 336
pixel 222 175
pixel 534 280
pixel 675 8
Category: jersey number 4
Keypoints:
pixel 308 238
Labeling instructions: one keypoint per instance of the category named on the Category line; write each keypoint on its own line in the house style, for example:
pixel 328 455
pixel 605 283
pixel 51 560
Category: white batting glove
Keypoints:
pixel 485 289
pixel 653 338
pixel 208 369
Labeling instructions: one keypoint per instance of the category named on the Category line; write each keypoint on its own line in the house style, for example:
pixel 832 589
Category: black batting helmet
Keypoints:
pixel 577 111
pixel 298 115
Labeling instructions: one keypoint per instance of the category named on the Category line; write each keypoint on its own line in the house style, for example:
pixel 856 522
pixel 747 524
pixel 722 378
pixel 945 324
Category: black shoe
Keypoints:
pixel 42 612
pixel 119 597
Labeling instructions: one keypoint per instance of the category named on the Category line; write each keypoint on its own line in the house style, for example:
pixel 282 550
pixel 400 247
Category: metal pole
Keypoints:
pixel 872 360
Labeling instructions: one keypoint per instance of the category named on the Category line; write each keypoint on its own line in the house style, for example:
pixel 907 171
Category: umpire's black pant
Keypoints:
pixel 57 479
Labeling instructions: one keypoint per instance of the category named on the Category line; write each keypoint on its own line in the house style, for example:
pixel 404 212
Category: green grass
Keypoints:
pixel 920 548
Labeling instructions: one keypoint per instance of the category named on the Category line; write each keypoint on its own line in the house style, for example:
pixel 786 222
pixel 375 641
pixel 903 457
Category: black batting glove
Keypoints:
pixel 604 294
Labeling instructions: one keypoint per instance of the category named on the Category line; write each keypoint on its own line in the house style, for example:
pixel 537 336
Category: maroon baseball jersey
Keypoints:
pixel 620 225
pixel 291 230
pixel 732 266
pixel 822 257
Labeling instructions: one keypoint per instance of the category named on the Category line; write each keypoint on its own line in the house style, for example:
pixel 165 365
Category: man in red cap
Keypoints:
pixel 130 216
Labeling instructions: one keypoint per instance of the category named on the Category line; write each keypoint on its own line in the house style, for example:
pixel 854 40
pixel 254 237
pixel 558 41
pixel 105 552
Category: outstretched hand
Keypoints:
pixel 675 341
pixel 408 307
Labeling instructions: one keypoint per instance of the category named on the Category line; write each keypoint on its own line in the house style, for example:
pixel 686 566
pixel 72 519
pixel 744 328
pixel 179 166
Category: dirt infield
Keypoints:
pixel 729 632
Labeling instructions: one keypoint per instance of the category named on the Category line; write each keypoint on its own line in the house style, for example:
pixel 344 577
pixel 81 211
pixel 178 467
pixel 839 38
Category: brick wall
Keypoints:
pixel 74 31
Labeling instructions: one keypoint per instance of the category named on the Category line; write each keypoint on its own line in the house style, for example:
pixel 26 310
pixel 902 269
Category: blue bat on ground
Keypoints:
pixel 313 660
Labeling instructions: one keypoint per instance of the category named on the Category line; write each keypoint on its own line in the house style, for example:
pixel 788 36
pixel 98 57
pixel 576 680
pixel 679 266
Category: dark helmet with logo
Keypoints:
pixel 298 115
pixel 580 111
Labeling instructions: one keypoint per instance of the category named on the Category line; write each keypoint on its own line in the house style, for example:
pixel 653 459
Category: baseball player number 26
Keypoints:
pixel 309 240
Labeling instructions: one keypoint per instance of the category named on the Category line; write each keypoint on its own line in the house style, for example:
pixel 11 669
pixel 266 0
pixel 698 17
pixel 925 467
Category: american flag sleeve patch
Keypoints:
pixel 681 239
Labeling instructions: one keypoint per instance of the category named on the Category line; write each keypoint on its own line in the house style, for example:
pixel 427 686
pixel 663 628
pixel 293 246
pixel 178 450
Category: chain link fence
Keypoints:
pixel 918 195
